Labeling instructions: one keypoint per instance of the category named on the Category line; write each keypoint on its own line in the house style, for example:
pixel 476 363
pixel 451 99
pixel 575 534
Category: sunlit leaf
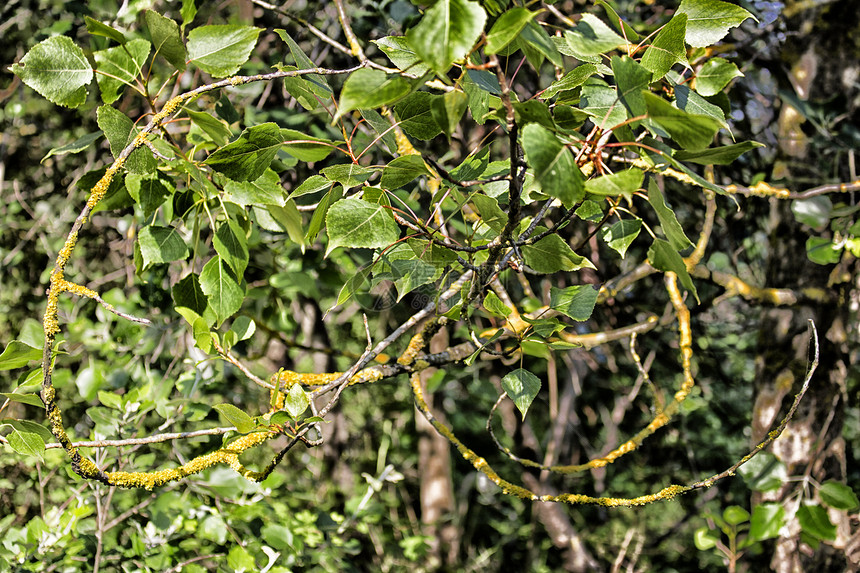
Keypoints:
pixel 58 69
pixel 236 417
pixel 447 33
pixel 161 245
pixel 357 223
pixel 551 254
pixel 166 38
pixel 221 288
pixel 577 301
pixel 553 164
pixel 708 21
pixel 221 49
pixel 250 155
pixel 668 48
pixel 715 75
pixel 521 386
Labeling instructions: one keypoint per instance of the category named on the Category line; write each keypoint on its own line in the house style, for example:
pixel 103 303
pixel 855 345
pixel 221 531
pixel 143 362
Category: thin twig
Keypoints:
pixel 154 439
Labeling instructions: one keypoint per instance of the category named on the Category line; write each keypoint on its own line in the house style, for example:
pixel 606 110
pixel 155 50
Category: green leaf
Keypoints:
pixel 148 191
pixel 715 75
pixel 534 111
pixel 244 327
pixel 724 155
pixel 30 427
pixel 507 28
pixel 838 495
pixel 26 443
pixel 671 228
pixel 120 66
pixel 166 38
pixel 187 12
pixel 692 132
pixel 665 159
pixel 57 69
pixel 199 327
pixel 221 288
pixel 187 293
pixel 353 284
pixel 814 521
pixel 215 128
pixel 620 235
pixel 521 386
pixel 318 83
pixel 296 401
pixel 491 214
pixel 623 183
pixel 447 33
pixel 289 219
pixel 708 21
pixel 367 88
pixel 632 79
pixel 551 254
pixel 110 399
pixel 553 164
pixel 766 521
pixel 590 211
pixel 76 146
pixel 822 251
pixel 265 190
pixel 663 257
pixel 18 354
pixel 448 109
pixel 348 174
pixel 402 170
pixel 357 223
pixel 602 104
pixel 615 20
pixel 230 243
pixel 764 472
pixel 401 55
pixel 318 218
pixel 120 132
pixel 571 80
pixel 534 37
pixel 301 89
pixel 473 166
pixel 220 50
pixel 304 147
pixel 735 515
pixel 410 272
pixel 495 306
pixel 591 37
pixel 704 539
pixel 382 127
pixel 545 327
pixel 668 48
pixel 568 119
pixel 312 184
pixel 415 117
pixel 250 155
pixel 486 80
pixel 815 211
pixel 31 333
pixel 160 245
pixel 691 102
pixel 577 302
pixel 239 560
pixel 97 28
pixel 236 417
pixel 29 399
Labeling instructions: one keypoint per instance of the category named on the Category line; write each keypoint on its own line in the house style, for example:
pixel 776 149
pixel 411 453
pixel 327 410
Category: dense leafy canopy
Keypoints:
pixel 468 192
